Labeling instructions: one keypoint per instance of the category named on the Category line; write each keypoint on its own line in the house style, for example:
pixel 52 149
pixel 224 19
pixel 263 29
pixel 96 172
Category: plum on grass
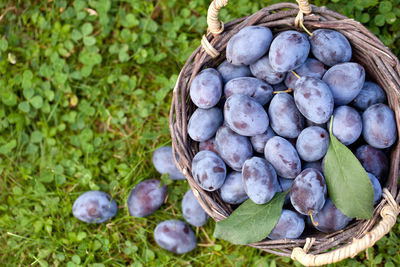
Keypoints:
pixel 289 50
pixel 192 211
pixel 347 124
pixel 258 141
pixel 377 187
pixel 259 180
pixel 345 81
pixel 311 68
pixel 146 197
pixel 204 123
pixel 314 99
pixel 283 157
pixel 379 126
pixel 232 191
pixel 373 161
pixel 209 170
pixel 370 94
pixel 229 71
pixel 308 192
pixel 94 207
pixel 164 163
pixel 248 45
pixel 290 225
pixel 330 219
pixel 312 143
pixel 262 70
pixel 233 148
pixel 206 88
pixel 245 116
pixel 175 236
pixel 330 47
pixel 250 86
pixel 285 119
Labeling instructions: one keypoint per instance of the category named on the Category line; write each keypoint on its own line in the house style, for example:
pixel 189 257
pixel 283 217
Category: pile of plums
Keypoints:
pixel 262 118
pixel 144 199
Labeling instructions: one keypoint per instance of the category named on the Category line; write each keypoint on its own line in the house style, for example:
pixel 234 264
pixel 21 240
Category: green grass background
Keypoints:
pixel 85 89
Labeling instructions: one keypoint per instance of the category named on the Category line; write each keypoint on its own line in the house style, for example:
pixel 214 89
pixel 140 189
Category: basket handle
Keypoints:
pixel 216 26
pixel 389 215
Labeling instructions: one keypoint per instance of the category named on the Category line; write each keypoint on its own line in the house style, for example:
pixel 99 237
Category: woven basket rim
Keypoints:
pixel 368 50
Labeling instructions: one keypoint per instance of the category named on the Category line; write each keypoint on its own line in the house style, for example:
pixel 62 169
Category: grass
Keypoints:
pixel 85 88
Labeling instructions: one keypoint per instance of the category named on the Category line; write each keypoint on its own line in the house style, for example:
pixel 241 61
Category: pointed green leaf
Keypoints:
pixel 251 222
pixel 348 183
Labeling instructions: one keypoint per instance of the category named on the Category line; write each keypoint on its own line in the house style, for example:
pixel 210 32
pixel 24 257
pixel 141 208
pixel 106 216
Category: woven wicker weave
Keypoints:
pixel 380 64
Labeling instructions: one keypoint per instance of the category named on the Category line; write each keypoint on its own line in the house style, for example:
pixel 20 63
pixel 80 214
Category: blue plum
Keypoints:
pixel 289 50
pixel 262 70
pixel 330 219
pixel 345 81
pixel 314 99
pixel 245 116
pixel 285 119
pixel 313 164
pixel 308 192
pixel 232 191
pixel 250 86
pixel 312 143
pixel 377 187
pixel 346 125
pixel 233 148
pixel 209 170
pixel 192 211
pixel 206 88
pixel 258 141
pixel 164 163
pixel 290 225
pixel 229 71
pixel 373 161
pixel 330 47
pixel 259 180
pixel 248 45
pixel 311 68
pixel 204 123
pixel 379 126
pixel 175 236
pixel 283 157
pixel 146 197
pixel 370 94
pixel 208 145
pixel 94 207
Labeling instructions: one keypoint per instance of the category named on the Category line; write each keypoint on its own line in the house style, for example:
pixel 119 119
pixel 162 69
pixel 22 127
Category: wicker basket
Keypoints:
pixel 368 50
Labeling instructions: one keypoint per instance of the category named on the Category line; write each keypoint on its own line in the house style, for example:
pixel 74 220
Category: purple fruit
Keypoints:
pixel 289 50
pixel 245 116
pixel 311 68
pixel 206 88
pixel 204 123
pixel 229 71
pixel 263 70
pixel 330 219
pixel 377 187
pixel 313 164
pixel 373 161
pixel 370 94
pixel 94 207
pixel 208 145
pixel 146 197
pixel 164 163
pixel 285 119
pixel 209 170
pixel 232 191
pixel 312 143
pixel 192 211
pixel 290 225
pixel 233 148
pixel 347 124
pixel 175 236
pixel 248 45
pixel 283 157
pixel 252 87
pixel 258 141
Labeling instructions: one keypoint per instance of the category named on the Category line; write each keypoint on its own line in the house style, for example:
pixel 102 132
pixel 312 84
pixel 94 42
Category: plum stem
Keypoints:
pixel 305 29
pixel 295 74
pixel 312 219
pixel 289 90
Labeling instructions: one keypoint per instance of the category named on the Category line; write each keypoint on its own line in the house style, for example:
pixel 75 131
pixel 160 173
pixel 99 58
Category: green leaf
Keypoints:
pixel 348 183
pixel 24 106
pixel 28 92
pixel 379 20
pixel 36 137
pixel 4 149
pixel 3 45
pixel 89 40
pixel 87 28
pixel 36 101
pixel 251 222
pixel 385 7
